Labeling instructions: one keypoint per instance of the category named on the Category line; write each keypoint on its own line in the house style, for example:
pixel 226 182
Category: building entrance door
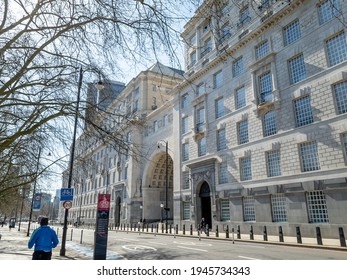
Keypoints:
pixel 205 198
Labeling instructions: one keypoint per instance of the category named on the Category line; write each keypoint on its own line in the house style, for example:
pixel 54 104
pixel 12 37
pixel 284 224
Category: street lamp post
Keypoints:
pixel 34 190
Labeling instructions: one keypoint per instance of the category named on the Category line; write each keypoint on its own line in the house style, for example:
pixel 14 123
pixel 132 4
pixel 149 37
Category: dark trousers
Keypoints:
pixel 42 255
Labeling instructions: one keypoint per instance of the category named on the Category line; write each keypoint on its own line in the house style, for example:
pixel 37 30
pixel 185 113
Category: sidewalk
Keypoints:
pixel 14 246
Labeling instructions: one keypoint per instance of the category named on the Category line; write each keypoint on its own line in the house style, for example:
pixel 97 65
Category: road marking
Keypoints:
pixel 130 240
pixel 193 243
pixel 158 243
pixel 138 248
pixel 188 248
pixel 248 258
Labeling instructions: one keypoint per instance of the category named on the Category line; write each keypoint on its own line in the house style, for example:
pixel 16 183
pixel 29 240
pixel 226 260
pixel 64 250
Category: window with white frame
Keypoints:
pixel 185 151
pixel 200 89
pixel 337 49
pixel 185 180
pixel 238 66
pixel 186 210
pixel 242 131
pixel 207 47
pixel 279 208
pixel 223 173
pixel 249 208
pixel 340 90
pixel 273 159
pixel 317 207
pixel 291 32
pixel 202 146
pixel 218 79
pixel 269 123
pixel 262 49
pixel 303 111
pixel 221 139
pixel 245 169
pixel 327 10
pixel 244 16
pixel 200 119
pixel 240 98
pixel 297 69
pixel 309 156
pixel 225 210
pixel 184 125
pixel 219 107
pixel 166 120
pixel 185 100
pixel 265 87
pixel 344 144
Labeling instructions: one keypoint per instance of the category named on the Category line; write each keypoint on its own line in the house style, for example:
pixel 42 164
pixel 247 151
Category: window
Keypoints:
pixel 243 132
pixel 262 49
pixel 200 119
pixel 291 33
pixel 202 146
pixel 218 79
pixel 327 10
pixel 309 157
pixel 166 120
pixel 317 207
pixel 192 59
pixel 337 49
pixel 225 210
pixel 246 169
pixel 155 126
pixel 186 210
pixel 297 69
pixel 207 47
pixel 303 112
pixel 221 139
pixel 269 122
pixel 344 144
pixel 238 67
pixel 265 87
pixel 240 98
pixel 273 160
pixel 244 16
pixel 340 91
pixel 186 181
pixel 200 89
pixel 184 125
pixel 185 100
pixel 249 209
pixel 219 107
pixel 185 151
pixel 223 173
pixel 279 208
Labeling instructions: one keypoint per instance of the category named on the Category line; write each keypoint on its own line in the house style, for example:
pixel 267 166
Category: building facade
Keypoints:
pixel 254 135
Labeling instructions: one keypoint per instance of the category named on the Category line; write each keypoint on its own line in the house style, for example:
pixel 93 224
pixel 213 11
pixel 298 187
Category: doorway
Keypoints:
pixel 205 198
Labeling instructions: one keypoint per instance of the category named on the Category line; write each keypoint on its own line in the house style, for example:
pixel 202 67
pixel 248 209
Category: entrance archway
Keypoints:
pixel 205 199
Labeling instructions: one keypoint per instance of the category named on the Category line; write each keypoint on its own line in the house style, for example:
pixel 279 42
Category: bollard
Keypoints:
pixel 207 230
pixel 251 235
pixel 176 229
pixel 227 232
pixel 162 228
pixel 265 234
pixel 152 228
pixel 81 236
pixel 280 234
pixel 217 233
pixel 233 231
pixel 157 228
pixel 184 229
pixel 170 229
pixel 147 228
pixel 71 234
pixel 298 235
pixel 131 227
pixel 191 229
pixel 342 237
pixel 319 236
pixel 238 232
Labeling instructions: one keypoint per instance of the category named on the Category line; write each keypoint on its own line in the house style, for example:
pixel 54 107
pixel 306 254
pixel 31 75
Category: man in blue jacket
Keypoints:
pixel 45 239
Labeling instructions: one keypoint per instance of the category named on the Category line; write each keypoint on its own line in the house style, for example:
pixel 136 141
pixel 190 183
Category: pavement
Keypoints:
pixel 13 245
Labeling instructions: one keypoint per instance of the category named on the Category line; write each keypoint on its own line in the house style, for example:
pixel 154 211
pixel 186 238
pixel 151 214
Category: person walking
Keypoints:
pixel 45 239
pixel 203 225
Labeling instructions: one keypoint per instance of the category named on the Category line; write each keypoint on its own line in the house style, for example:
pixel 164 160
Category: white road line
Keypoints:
pixel 129 240
pixel 248 258
pixel 158 243
pixel 188 248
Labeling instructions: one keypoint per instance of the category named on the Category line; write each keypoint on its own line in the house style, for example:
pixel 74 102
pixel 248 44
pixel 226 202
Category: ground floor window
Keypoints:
pixel 317 207
pixel 279 208
pixel 249 209
pixel 225 210
pixel 186 210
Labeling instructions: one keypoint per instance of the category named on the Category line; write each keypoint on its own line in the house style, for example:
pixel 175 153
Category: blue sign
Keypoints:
pixel 66 194
pixel 37 202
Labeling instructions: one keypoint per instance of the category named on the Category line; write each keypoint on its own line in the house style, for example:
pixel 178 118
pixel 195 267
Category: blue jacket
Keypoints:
pixel 44 239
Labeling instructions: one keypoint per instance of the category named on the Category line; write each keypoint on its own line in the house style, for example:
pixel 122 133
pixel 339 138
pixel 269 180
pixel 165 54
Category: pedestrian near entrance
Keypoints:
pixel 45 239
pixel 203 225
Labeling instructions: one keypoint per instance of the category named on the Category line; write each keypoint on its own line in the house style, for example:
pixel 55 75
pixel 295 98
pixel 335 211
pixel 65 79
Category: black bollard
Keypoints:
pixel 298 235
pixel 217 233
pixel 184 229
pixel 251 234
pixel 238 232
pixel 265 234
pixel 319 236
pixel 176 229
pixel 280 233
pixel 342 237
pixel 207 230
pixel 170 229
pixel 81 236
pixel 191 229
pixel 227 232
pixel 71 234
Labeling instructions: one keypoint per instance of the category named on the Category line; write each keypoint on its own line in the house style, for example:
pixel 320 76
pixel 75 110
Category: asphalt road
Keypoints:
pixel 135 246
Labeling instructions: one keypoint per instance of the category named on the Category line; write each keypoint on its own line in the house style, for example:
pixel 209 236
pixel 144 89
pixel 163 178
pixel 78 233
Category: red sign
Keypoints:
pixel 104 202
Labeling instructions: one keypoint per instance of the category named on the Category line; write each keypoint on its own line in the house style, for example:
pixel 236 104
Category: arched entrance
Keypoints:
pixel 205 199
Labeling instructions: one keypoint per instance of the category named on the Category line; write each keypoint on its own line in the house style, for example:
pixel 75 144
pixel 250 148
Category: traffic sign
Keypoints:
pixel 66 194
pixel 67 204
